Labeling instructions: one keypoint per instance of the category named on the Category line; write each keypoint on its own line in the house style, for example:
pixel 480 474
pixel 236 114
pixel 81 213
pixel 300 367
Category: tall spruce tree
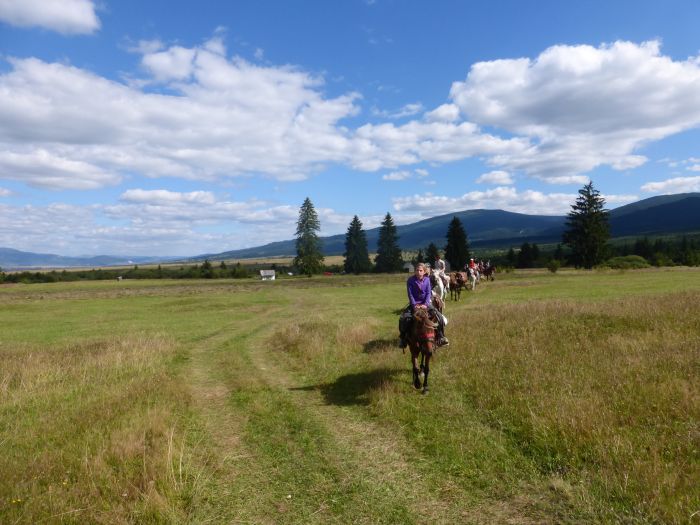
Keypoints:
pixel 431 253
pixel 588 229
pixel 356 255
pixel 309 259
pixel 457 249
pixel 388 257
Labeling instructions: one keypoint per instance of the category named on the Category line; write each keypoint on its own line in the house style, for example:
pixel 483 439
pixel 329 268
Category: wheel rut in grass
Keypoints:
pixel 369 450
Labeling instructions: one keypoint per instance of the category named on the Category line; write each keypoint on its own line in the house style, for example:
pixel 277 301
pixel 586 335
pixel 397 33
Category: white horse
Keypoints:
pixel 440 288
pixel 473 277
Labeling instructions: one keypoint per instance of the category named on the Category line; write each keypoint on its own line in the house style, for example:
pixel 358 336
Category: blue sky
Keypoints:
pixel 180 128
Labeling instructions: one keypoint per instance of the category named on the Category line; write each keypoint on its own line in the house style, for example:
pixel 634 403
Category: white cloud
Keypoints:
pixel 444 113
pixel 397 175
pixel 155 222
pixel 205 117
pixel 167 197
pixel 405 111
pixel 43 169
pixel 583 106
pixel 227 118
pixel 66 16
pixel 259 53
pixel 502 178
pixel 674 185
pixel 694 167
pixel 422 172
pixel 504 198
pixel 4 192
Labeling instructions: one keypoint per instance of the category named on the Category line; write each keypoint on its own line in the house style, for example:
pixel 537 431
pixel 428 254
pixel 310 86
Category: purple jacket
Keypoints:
pixel 418 291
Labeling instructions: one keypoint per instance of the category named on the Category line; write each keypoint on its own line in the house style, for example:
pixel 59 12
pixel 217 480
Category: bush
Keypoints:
pixel 554 265
pixel 627 262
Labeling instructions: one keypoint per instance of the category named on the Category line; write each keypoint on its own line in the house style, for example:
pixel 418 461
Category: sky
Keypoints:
pixel 173 128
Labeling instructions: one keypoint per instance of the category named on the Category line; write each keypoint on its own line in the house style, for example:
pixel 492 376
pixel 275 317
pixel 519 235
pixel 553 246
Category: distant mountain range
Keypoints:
pixel 14 259
pixel 666 214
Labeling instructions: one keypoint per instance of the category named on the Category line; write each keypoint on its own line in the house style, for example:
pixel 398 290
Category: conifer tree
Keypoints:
pixel 588 229
pixel 457 249
pixel 388 257
pixel 431 253
pixel 309 259
pixel 356 254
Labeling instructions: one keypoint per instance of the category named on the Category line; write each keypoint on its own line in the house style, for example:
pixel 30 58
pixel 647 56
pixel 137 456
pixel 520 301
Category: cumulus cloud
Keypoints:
pixel 157 222
pixel 583 106
pixel 504 198
pixel 499 177
pixel 67 16
pixel 397 175
pixel 405 111
pixel 43 169
pixel 444 113
pixel 674 185
pixel 201 115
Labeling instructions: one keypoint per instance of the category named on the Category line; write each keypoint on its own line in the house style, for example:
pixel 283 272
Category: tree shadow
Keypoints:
pixel 353 389
pixel 376 346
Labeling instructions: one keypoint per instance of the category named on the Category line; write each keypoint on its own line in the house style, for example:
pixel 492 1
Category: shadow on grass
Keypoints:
pixel 353 389
pixel 376 346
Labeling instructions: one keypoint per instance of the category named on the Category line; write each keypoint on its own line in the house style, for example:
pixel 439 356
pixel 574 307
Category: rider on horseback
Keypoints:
pixel 418 288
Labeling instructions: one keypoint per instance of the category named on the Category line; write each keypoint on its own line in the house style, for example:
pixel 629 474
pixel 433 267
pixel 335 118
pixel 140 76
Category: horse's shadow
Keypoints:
pixel 376 346
pixel 352 389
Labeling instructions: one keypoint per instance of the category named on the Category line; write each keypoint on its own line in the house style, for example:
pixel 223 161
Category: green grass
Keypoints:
pixel 570 397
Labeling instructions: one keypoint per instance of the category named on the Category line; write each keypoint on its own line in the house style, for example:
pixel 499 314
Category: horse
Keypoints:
pixel 489 272
pixel 473 278
pixel 457 282
pixel 438 284
pixel 421 341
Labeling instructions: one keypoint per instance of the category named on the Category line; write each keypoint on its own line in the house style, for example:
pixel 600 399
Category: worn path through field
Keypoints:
pixel 280 452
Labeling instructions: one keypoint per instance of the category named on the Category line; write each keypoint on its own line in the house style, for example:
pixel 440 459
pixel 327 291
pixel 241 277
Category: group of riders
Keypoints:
pixel 421 295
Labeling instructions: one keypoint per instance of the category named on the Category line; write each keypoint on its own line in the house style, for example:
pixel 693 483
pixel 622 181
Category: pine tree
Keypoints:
pixel 431 253
pixel 419 258
pixel 388 257
pixel 309 259
pixel 356 254
pixel 588 229
pixel 457 249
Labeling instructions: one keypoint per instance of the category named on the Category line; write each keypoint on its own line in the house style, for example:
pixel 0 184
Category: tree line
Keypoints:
pixel 206 270
pixel 585 244
pixel 389 258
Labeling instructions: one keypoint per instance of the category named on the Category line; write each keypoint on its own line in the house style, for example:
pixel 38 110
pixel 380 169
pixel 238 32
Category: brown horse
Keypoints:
pixel 458 280
pixel 421 341
pixel 488 273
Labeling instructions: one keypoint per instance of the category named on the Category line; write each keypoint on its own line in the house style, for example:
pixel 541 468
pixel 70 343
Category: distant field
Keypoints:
pixel 563 398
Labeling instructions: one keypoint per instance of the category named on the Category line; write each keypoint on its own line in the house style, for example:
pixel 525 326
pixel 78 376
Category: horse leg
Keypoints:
pixel 426 371
pixel 416 370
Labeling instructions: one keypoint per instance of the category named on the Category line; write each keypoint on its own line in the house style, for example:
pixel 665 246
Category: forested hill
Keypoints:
pixel 497 228
pixel 667 214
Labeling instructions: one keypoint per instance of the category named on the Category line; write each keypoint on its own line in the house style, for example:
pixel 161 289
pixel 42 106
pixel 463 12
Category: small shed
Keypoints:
pixel 408 267
pixel 267 275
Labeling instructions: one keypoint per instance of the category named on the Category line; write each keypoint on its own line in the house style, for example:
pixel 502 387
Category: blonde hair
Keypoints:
pixel 420 265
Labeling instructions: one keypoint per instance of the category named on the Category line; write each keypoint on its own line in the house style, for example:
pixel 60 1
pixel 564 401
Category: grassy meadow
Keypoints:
pixel 563 398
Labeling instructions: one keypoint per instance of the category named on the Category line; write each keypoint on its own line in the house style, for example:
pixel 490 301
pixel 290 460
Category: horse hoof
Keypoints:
pixel 425 391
